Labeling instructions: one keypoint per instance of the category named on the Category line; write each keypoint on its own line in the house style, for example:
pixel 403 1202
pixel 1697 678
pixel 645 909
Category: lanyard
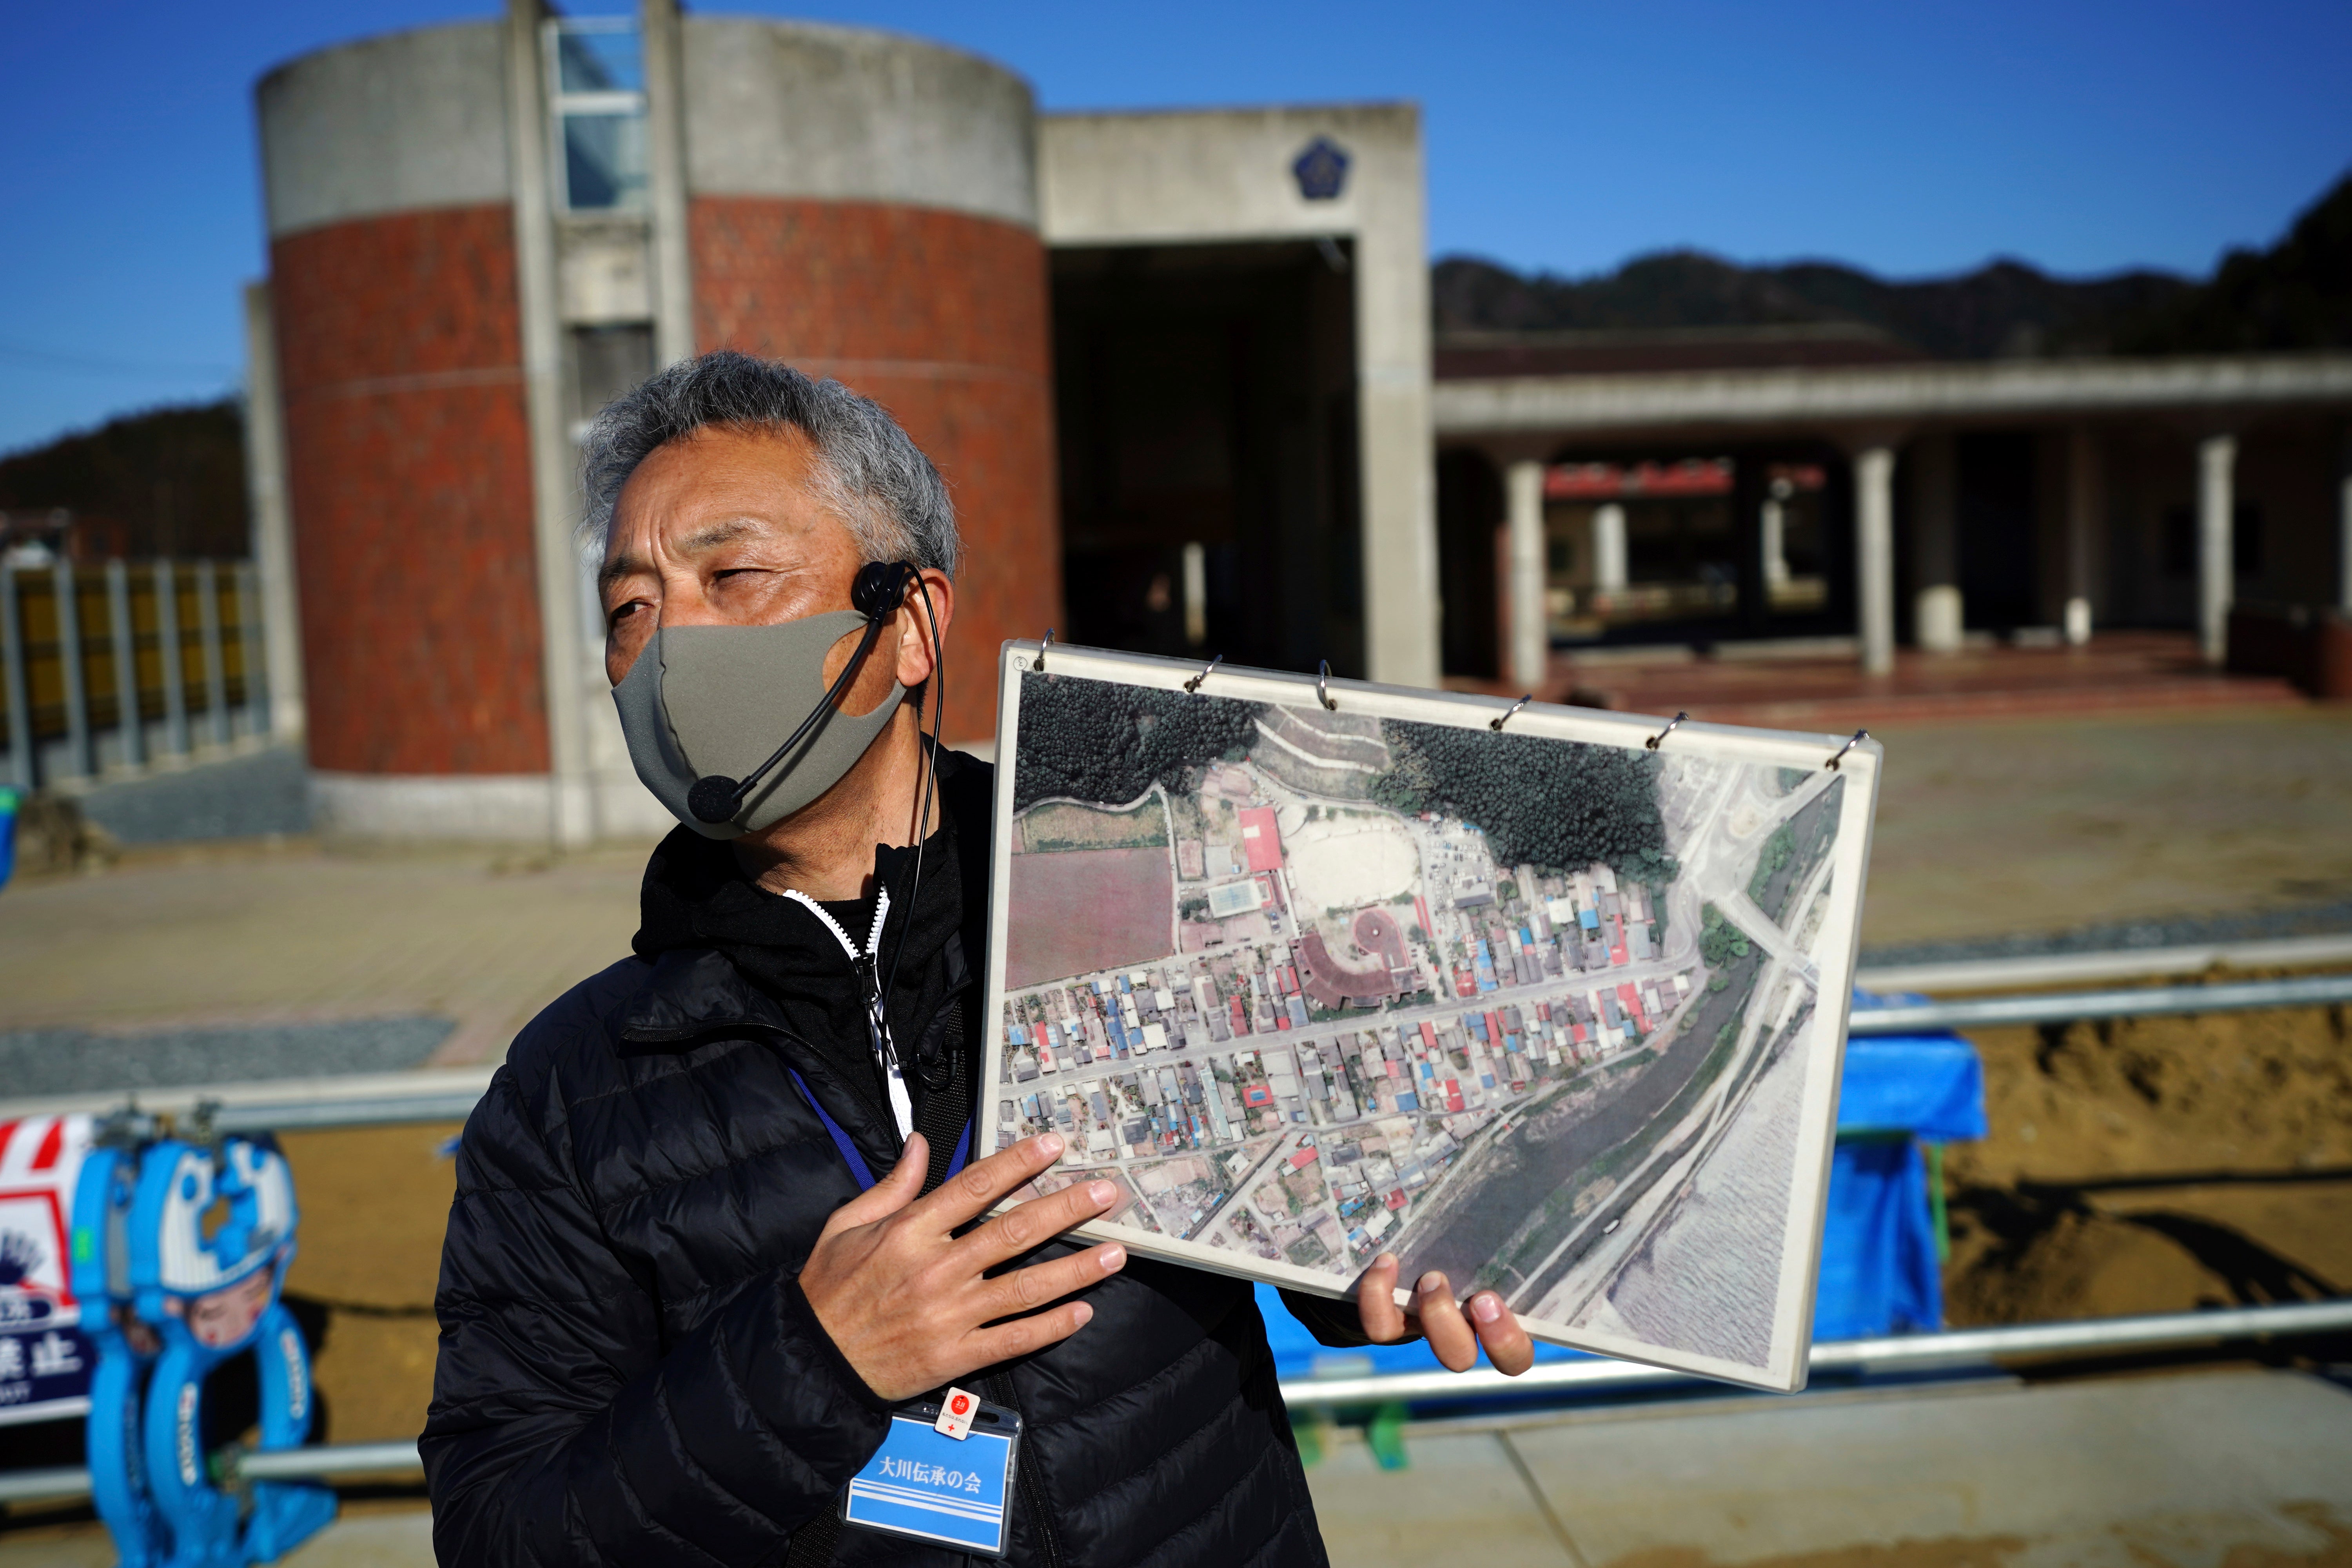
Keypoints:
pixel 857 1166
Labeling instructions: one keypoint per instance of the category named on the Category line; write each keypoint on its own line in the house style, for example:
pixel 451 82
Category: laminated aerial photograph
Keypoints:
pixel 1317 972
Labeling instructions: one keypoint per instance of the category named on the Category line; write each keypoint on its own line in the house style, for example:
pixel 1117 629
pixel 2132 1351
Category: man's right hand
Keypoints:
pixel 909 1304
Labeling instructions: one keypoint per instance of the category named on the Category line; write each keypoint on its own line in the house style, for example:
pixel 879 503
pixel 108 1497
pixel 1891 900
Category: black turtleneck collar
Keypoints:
pixel 697 896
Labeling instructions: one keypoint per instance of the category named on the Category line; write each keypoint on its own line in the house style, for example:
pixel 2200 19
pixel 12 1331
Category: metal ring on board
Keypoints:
pixel 1859 737
pixel 1041 648
pixel 1497 723
pixel 1323 686
pixel 1652 742
pixel 1194 684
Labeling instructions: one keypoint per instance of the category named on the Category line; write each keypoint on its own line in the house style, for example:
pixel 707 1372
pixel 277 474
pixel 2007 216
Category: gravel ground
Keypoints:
pixel 73 1061
pixel 244 798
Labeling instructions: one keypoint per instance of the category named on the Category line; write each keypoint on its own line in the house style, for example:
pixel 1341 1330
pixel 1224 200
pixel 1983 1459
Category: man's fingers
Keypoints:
pixel 1026 1290
pixel 1376 1307
pixel 1022 1336
pixel 1448 1333
pixel 1507 1345
pixel 978 1186
pixel 1036 1222
pixel 892 1193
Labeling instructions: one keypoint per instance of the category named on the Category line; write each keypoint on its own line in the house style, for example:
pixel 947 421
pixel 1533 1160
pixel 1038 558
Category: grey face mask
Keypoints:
pixel 718 699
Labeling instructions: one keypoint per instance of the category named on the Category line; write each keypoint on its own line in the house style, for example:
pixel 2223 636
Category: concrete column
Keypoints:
pixel 2217 461
pixel 131 731
pixel 2083 507
pixel 1609 549
pixel 665 68
pixel 554 500
pixel 1873 493
pixel 80 755
pixel 1774 516
pixel 273 523
pixel 1523 485
pixel 1938 611
pixel 1396 449
pixel 172 657
pixel 208 633
pixel 1196 595
pixel 22 771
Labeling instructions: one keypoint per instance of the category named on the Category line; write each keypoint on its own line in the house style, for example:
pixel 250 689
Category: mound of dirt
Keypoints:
pixel 2155 1164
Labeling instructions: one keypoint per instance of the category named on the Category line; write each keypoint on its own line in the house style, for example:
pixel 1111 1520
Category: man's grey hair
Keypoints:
pixel 869 472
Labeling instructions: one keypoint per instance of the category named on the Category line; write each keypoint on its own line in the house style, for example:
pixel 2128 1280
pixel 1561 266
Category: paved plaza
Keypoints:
pixel 1986 828
pixel 2219 1468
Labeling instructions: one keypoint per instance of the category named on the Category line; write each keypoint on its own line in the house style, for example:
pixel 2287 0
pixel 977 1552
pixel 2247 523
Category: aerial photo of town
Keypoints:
pixel 1316 985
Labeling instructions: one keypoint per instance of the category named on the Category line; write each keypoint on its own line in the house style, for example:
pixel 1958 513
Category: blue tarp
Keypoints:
pixel 1879 1272
pixel 8 835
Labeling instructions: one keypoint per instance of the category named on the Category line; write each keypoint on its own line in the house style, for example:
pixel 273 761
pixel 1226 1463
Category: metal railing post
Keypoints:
pixel 128 721
pixel 251 653
pixel 78 757
pixel 21 764
pixel 215 670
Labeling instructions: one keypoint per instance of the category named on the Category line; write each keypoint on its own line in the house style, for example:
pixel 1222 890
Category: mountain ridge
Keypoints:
pixel 2296 294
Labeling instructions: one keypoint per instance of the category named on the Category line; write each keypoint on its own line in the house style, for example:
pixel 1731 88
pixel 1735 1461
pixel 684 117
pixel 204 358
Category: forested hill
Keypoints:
pixel 167 481
pixel 2296 294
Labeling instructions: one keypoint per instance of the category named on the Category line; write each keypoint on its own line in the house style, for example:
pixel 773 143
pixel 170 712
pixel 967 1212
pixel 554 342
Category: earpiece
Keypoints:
pixel 880 586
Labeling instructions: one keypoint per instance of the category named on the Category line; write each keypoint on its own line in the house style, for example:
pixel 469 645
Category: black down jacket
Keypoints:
pixel 629 1374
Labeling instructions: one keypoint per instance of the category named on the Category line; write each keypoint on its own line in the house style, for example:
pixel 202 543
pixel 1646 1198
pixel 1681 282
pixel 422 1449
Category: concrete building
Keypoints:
pixel 1178 370
pixel 479 232
pixel 1812 483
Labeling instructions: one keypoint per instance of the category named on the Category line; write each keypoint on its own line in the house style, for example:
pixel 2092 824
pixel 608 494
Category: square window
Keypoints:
pixel 603 161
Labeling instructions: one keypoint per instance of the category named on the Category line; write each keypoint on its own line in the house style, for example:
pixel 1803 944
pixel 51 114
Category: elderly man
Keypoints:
pixel 677 1307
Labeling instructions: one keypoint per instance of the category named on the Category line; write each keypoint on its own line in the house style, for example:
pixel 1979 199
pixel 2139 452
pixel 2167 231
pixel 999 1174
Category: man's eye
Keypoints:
pixel 623 612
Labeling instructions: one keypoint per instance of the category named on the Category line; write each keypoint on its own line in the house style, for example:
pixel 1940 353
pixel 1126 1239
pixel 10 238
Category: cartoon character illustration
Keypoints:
pixel 211 1235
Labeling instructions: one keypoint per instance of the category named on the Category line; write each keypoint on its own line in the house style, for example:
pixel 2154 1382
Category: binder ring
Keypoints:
pixel 1041 648
pixel 1323 686
pixel 1652 742
pixel 1194 684
pixel 1495 723
pixel 1859 736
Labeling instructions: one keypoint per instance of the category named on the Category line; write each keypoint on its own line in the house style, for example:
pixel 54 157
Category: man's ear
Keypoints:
pixel 918 658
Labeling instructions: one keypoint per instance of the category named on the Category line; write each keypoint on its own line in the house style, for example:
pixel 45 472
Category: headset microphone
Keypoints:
pixel 879 588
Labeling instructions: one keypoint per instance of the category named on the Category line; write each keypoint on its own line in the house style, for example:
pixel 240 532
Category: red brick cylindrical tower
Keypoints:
pixel 393 281
pixel 864 205
pixel 479 233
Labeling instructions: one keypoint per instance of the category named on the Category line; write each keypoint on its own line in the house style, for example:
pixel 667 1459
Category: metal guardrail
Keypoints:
pixel 1915 1352
pixel 1910 1352
pixel 450 1094
pixel 1986 1011
pixel 1984 974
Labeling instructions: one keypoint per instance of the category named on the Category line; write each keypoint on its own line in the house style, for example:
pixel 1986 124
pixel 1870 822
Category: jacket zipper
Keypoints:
pixel 868 965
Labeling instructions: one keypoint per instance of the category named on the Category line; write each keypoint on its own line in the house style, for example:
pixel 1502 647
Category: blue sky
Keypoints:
pixel 1912 139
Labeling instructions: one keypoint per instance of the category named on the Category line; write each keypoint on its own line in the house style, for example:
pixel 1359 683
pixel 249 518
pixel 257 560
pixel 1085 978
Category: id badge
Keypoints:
pixel 923 1484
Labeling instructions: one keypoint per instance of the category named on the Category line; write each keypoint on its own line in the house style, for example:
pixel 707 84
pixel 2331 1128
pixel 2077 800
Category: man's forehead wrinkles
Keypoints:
pixel 709 536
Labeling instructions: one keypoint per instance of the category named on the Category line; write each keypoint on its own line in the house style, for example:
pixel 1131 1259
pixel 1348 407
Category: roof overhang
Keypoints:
pixel 1831 401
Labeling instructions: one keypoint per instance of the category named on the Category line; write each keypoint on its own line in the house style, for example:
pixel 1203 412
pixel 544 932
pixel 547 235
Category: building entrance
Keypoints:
pixel 1206 413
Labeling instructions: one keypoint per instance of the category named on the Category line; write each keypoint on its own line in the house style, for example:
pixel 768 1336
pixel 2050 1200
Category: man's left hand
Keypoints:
pixel 1454 1330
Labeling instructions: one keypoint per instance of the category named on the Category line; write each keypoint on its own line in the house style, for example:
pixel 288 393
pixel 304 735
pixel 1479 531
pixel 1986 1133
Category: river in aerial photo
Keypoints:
pixel 1708 1276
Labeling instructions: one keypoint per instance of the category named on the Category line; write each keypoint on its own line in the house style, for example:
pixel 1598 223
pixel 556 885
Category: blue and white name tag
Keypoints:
pixel 924 1484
